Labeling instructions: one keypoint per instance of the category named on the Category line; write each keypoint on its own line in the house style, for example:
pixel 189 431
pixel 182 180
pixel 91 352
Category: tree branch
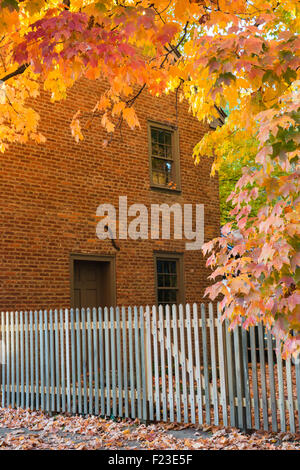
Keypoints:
pixel 18 71
pixel 131 101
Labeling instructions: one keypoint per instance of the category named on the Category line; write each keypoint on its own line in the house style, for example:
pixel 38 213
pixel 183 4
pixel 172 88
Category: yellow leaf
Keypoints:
pixel 109 126
pixel 131 117
pixel 104 103
pixel 118 108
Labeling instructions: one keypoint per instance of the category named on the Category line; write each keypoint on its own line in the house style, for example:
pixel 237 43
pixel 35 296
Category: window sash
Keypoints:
pixel 174 291
pixel 160 177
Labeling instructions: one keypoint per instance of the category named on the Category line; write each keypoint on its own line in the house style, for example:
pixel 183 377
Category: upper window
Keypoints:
pixel 164 157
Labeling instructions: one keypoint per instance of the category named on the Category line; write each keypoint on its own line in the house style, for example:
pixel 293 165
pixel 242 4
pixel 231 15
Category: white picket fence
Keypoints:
pixel 177 364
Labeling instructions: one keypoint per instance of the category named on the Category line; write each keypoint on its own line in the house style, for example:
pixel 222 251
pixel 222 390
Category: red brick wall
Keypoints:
pixel 50 193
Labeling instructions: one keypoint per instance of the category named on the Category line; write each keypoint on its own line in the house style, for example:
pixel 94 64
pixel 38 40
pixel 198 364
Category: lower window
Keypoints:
pixel 169 279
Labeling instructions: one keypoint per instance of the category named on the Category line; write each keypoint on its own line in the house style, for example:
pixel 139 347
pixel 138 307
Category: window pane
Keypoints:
pixel 160 296
pixel 168 138
pixel 172 266
pixel 160 280
pixel 170 296
pixel 161 137
pixel 173 280
pixel 158 150
pixel 161 171
pixel 168 152
pixel 161 151
pixel 154 135
pixel 159 266
pixel 166 267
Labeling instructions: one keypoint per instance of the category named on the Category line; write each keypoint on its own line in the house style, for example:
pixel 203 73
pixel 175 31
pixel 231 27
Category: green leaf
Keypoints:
pixel 101 7
pixel 226 78
pixel 290 75
pixel 286 54
pixel 11 4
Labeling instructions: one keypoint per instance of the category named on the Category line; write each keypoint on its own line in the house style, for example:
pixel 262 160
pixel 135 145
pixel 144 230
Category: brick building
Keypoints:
pixel 50 255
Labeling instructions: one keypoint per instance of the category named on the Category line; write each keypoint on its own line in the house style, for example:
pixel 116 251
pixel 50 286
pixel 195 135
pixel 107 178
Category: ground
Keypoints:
pixel 27 430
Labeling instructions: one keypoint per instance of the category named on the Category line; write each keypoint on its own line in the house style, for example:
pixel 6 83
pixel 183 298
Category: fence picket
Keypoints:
pixel 52 377
pixel 131 363
pixel 198 363
pixel 4 359
pixel 31 347
pixel 221 356
pixel 205 364
pixel 8 356
pixel 57 360
pixel 47 369
pixel 176 363
pixel 42 357
pixel 239 377
pixel 68 365
pixel 156 370
pixel 190 364
pixel 262 368
pixel 149 363
pixel 272 382
pixel 107 362
pixel 125 366
pixel 290 395
pixel 17 359
pixel 78 357
pixel 213 363
pixel 137 363
pixel 21 355
pixel 246 379
pixel 101 361
pixel 162 359
pixel 183 363
pixel 113 361
pixel 254 378
pixel 73 356
pixel 84 362
pixel 143 362
pixel 90 360
pixel 26 362
pixel 13 359
pixel 119 363
pixel 281 400
pixel 170 367
pixel 62 361
pixel 96 355
pixel 37 360
pixel 230 375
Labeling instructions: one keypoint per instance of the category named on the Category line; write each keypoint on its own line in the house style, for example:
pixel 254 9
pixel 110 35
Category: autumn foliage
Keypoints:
pixel 242 55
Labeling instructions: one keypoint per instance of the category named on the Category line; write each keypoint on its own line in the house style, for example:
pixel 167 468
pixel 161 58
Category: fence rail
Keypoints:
pixel 177 363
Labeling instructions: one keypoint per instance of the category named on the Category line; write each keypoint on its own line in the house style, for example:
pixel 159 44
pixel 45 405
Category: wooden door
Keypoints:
pixel 92 284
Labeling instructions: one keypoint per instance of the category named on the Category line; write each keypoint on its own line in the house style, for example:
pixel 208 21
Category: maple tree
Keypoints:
pixel 243 54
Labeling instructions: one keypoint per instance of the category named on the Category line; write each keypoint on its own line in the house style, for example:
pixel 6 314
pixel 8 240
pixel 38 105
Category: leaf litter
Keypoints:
pixel 28 430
